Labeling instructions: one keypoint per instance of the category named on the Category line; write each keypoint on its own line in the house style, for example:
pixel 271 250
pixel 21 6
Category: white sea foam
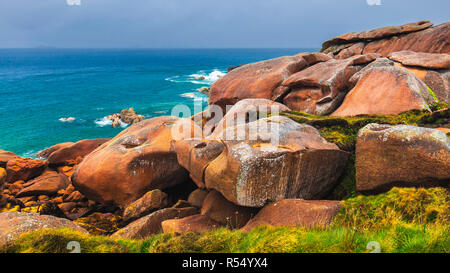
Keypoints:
pixel 107 122
pixel 196 96
pixel 201 77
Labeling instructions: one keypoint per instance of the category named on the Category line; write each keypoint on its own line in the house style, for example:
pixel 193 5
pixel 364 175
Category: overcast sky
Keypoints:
pixel 201 23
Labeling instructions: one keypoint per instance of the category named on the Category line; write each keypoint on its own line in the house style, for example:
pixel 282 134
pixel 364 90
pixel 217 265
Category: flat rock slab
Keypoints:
pixel 194 223
pixel 426 60
pixel 151 224
pixel 296 213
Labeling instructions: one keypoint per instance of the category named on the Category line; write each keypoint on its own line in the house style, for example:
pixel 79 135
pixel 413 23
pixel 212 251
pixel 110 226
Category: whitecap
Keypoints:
pixel 201 77
pixel 105 121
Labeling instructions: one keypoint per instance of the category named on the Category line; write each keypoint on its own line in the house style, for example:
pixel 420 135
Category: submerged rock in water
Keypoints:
pixel 128 116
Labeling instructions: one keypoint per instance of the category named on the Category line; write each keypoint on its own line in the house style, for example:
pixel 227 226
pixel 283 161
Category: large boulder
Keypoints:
pixel 151 201
pixel 319 89
pixel 256 80
pixel 71 154
pixel 197 197
pixel 195 155
pixel 425 60
pixel 219 209
pixel 385 90
pixel 151 224
pixel 248 110
pixel 297 213
pixel 48 151
pixel 13 224
pixel 194 223
pixel 49 183
pixel 376 34
pixel 23 168
pixel 418 37
pixel 5 156
pixel 137 160
pixel 402 155
pixel 431 40
pixel 432 68
pixel 270 159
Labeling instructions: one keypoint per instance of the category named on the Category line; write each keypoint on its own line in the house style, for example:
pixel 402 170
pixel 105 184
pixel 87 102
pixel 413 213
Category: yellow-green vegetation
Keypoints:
pixel 100 223
pixel 398 207
pixel 343 130
pixel 346 186
pixel 402 220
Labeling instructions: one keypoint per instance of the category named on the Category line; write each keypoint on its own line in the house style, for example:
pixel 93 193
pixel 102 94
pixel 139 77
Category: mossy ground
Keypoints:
pixel 343 131
pixel 402 220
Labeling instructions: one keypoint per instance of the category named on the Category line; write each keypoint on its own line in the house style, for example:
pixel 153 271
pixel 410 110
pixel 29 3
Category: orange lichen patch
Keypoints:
pixel 418 72
pixel 67 170
pixel 270 146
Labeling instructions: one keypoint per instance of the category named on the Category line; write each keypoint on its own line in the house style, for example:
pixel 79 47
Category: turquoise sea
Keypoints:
pixel 38 87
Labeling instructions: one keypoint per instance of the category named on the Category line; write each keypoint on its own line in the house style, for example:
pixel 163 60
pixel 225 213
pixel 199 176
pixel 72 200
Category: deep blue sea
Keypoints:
pixel 38 87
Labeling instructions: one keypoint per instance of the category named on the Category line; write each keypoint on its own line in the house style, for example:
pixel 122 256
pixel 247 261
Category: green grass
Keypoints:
pixel 408 238
pixel 402 220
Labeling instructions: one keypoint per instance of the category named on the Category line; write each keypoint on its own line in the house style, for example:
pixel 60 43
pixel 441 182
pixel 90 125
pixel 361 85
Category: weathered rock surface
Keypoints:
pixel 247 110
pixel 13 224
pixel 437 80
pixel 49 183
pixel 194 223
pixel 23 168
pixel 296 212
pixel 197 197
pixel 151 224
pixel 385 90
pixel 2 177
pixel 48 151
pixel 249 171
pixel 5 156
pixel 376 34
pixel 195 155
pixel 219 209
pixel 418 37
pixel 402 155
pixel 431 40
pixel 137 160
pixel 425 60
pixel 71 154
pixel 151 201
pixel 319 89
pixel 256 80
pixel 313 58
